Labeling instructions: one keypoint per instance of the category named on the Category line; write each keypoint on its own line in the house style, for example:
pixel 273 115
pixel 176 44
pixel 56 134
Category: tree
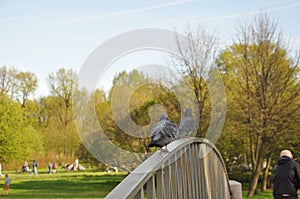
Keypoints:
pixel 26 85
pixel 17 84
pixel 103 135
pixel 262 80
pixel 8 81
pixel 50 123
pixel 63 84
pixel 18 139
pixel 128 98
pixel 196 59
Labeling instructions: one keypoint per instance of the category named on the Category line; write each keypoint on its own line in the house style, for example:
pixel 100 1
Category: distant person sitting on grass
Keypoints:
pixel 108 168
pixel 6 185
pixel 116 165
pixel 54 168
pixel 80 167
pixel 69 167
pixel 25 166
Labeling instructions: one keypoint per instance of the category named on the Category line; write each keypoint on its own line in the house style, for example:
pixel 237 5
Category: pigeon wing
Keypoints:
pixel 158 127
pixel 169 130
pixel 163 133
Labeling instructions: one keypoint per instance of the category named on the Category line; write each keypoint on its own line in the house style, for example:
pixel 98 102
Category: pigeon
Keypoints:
pixel 163 133
pixel 187 124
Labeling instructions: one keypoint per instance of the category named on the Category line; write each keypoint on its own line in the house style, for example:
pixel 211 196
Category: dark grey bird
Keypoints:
pixel 163 133
pixel 187 124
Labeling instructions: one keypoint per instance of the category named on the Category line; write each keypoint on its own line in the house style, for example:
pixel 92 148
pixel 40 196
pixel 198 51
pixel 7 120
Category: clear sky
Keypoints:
pixel 43 36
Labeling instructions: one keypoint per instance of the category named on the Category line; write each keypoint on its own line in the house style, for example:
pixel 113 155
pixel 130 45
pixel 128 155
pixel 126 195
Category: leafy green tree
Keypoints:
pixel 8 81
pixel 18 139
pixel 63 84
pixel 134 86
pixel 17 85
pixel 51 124
pixel 26 84
pixel 264 89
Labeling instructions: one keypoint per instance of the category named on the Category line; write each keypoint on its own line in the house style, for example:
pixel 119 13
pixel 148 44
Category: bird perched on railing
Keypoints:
pixel 163 133
pixel 187 124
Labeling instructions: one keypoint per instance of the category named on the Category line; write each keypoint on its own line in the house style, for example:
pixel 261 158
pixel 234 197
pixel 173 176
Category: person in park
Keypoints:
pixel 76 164
pixel 50 167
pixel 54 168
pixel 0 170
pixel 6 185
pixel 116 165
pixel 34 168
pixel 286 177
pixel 25 166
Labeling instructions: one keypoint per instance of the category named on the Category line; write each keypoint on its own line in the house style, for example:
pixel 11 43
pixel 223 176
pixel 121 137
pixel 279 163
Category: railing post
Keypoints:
pixel 151 188
pixel 236 189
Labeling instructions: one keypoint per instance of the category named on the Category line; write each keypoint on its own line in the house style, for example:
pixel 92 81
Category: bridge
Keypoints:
pixel 194 169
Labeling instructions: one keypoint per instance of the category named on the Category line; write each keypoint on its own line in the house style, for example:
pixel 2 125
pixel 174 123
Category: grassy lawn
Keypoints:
pixel 73 184
pixel 262 195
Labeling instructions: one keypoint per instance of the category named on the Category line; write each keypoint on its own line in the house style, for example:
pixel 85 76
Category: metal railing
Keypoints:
pixel 193 168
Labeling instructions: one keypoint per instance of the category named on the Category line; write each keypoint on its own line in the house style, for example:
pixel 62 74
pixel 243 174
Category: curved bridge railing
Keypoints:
pixel 194 168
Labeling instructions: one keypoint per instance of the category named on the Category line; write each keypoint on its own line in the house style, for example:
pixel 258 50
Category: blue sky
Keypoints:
pixel 43 36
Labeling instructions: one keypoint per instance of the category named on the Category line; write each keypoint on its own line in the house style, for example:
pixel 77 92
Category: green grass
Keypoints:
pixel 73 184
pixel 261 195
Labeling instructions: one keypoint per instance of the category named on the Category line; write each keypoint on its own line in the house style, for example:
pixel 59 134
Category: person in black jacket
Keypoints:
pixel 286 177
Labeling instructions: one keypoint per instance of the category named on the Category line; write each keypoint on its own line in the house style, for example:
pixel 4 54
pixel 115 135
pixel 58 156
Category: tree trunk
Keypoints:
pixel 257 170
pixel 255 177
pixel 266 172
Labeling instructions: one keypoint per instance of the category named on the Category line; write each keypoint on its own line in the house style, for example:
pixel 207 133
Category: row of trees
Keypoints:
pixel 34 127
pixel 261 79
